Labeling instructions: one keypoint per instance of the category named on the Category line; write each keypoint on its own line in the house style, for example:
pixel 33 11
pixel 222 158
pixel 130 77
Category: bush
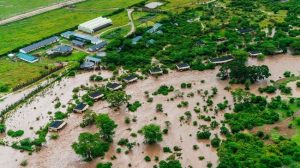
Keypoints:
pixel 147 159
pixel 3 88
pixel 215 142
pixel 60 115
pixel 2 128
pixel 133 107
pixel 164 90
pixel 203 134
pixel 268 89
pixel 17 133
pixel 298 84
pixel 104 165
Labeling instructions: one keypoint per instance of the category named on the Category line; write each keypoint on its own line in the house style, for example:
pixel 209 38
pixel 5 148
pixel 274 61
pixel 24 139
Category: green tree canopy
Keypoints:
pixel 117 98
pixel 106 126
pixel 152 133
pixel 90 146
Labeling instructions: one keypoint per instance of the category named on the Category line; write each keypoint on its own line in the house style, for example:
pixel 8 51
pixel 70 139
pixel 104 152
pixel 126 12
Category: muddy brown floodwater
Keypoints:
pixel 58 153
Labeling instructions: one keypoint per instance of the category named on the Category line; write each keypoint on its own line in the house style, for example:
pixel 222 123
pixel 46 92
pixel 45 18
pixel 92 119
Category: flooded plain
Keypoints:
pixel 58 153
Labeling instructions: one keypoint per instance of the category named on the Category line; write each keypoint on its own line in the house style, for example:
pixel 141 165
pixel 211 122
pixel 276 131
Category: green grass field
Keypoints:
pixel 35 28
pixel 10 8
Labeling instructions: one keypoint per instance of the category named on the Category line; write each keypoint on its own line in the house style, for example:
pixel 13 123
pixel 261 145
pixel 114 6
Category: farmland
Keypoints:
pixel 13 7
pixel 47 24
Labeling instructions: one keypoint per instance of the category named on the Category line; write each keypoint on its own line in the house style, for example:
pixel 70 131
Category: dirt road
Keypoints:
pixel 38 11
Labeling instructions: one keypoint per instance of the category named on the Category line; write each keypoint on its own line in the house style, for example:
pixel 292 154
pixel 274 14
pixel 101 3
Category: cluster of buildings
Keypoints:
pixel 77 40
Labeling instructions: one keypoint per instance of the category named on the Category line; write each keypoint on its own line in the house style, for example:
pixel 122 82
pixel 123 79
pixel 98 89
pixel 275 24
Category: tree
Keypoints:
pixel 104 165
pixel 117 98
pixel 90 146
pixel 152 133
pixel 296 47
pixel 2 128
pixel 106 126
pixel 170 164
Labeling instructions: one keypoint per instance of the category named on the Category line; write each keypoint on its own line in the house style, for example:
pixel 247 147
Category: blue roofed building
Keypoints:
pixel 27 57
pixel 154 28
pixel 81 37
pixel 136 39
pixel 97 46
pixel 39 44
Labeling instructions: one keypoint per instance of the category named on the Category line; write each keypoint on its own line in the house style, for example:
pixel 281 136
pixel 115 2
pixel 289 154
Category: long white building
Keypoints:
pixel 95 25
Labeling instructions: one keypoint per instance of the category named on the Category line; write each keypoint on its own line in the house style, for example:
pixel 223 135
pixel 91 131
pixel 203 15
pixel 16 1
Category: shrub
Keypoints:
pixel 133 107
pixel 104 165
pixel 203 134
pixel 159 108
pixel 298 84
pixel 167 150
pixel 2 128
pixel 17 133
pixel 215 142
pixel 164 90
pixel 147 159
pixel 60 115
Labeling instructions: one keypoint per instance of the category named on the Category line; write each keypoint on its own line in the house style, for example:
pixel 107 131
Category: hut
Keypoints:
pixel 183 66
pixel 81 107
pixel 57 125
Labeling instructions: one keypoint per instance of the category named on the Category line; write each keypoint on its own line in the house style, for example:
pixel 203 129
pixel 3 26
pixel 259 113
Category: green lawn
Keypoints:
pixel 14 73
pixel 10 8
pixel 33 29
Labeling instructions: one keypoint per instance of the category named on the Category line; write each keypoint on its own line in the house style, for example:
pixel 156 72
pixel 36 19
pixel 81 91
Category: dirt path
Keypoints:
pixel 38 11
pixel 129 12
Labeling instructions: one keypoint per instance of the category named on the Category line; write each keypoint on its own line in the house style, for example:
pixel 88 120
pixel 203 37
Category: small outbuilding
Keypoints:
pixel 96 95
pixel 244 31
pixel 183 66
pixel 113 86
pixel 77 43
pixel 60 50
pixel 87 65
pixel 27 57
pixel 97 46
pixel 221 60
pixel 81 107
pixel 156 71
pixel 254 53
pixel 57 125
pixel 130 79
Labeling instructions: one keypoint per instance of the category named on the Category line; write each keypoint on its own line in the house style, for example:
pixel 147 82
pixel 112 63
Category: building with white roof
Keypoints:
pixel 95 25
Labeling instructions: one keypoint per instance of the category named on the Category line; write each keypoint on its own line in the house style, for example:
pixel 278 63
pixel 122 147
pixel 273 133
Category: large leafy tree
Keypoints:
pixel 238 72
pixel 169 164
pixel 106 126
pixel 117 98
pixel 90 146
pixel 152 133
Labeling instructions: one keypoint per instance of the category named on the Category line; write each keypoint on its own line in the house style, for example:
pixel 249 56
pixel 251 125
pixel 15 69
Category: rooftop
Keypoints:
pixel 56 124
pixel 39 44
pixel 95 23
pixel 80 106
pixel 221 59
pixel 136 39
pixel 153 5
pixel 113 85
pixel 95 94
pixel 27 57
pixel 130 77
pixel 183 65
pixel 155 69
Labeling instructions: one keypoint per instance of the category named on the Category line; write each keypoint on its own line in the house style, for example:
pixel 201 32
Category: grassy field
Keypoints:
pixel 20 72
pixel 32 29
pixel 10 8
